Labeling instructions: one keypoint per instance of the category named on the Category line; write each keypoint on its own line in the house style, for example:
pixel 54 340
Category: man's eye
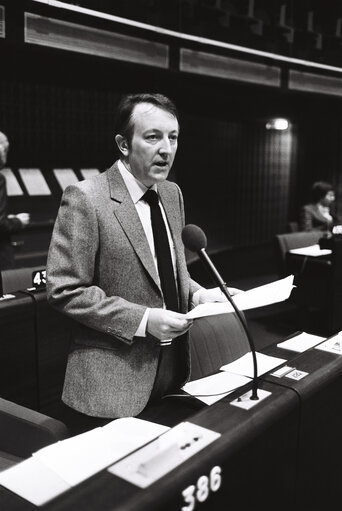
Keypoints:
pixel 151 137
pixel 173 138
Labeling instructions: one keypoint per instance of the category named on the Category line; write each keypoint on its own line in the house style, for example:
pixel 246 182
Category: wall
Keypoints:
pixel 241 183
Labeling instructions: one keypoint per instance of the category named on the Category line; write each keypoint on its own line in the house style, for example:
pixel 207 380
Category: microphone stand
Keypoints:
pixel 223 286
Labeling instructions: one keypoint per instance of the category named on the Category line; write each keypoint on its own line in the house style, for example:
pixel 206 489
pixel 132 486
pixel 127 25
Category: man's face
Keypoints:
pixel 154 143
pixel 3 151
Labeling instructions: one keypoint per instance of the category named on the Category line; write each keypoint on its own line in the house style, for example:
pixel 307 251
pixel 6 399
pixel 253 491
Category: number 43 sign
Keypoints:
pixel 39 279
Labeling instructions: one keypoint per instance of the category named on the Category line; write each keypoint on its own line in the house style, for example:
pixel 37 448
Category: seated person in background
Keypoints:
pixel 317 215
pixel 8 223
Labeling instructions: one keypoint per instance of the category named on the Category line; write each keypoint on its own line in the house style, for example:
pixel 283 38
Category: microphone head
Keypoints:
pixel 194 238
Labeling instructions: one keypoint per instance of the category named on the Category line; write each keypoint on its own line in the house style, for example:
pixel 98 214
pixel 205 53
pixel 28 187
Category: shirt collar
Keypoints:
pixel 135 187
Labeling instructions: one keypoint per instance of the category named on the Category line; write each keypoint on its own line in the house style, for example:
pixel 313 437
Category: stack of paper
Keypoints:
pixel 60 466
pixel 301 342
pixel 232 376
pixel 215 387
pixel 312 251
pixel 244 365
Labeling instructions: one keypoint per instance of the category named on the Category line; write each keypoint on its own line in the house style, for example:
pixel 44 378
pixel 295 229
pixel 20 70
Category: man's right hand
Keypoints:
pixel 164 324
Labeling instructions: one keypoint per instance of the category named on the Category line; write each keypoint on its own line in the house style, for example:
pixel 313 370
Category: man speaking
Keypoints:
pixel 116 266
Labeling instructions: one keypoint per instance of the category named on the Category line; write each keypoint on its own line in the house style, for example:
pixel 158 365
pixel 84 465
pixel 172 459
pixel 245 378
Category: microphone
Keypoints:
pixel 195 240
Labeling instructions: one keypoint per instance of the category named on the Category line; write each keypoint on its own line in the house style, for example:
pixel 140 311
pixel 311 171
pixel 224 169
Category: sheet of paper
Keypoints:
pixel 267 294
pixel 244 364
pixel 220 383
pixel 77 458
pixel 312 250
pixel 301 342
pixel 33 481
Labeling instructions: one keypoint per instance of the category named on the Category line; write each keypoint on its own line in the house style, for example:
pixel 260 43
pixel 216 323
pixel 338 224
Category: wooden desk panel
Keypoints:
pixel 320 442
pixel 256 452
pixel 18 369
pixel 53 338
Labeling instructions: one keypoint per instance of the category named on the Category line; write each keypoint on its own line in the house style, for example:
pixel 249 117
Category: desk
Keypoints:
pixel 18 363
pixel 35 340
pixel 256 452
pixel 320 444
pixel 52 347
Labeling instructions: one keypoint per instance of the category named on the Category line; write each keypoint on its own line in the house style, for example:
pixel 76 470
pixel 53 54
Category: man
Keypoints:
pixel 8 223
pixel 103 271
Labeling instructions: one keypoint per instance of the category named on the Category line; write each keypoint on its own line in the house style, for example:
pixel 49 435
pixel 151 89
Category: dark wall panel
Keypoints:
pixel 242 183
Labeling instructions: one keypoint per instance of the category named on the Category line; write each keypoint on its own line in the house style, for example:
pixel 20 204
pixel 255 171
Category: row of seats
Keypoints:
pixel 305 30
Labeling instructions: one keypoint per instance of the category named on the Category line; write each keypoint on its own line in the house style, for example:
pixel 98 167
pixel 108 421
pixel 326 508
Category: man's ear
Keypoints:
pixel 121 142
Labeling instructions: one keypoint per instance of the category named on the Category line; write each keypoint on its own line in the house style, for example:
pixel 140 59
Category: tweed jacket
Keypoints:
pixel 311 219
pixel 100 273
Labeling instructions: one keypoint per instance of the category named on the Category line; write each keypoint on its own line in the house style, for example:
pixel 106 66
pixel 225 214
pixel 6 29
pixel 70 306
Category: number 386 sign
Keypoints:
pixel 200 491
pixel 39 279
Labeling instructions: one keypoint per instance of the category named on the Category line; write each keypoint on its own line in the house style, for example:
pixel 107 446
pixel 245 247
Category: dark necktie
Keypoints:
pixel 162 247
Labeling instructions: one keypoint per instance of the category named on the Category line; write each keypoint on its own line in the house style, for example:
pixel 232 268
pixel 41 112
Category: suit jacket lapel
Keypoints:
pixel 128 217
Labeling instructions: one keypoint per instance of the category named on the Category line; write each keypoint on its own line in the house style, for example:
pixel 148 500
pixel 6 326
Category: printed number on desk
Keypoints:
pixel 39 279
pixel 200 492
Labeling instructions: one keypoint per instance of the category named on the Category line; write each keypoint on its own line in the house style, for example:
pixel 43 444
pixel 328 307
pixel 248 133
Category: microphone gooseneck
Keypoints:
pixel 195 240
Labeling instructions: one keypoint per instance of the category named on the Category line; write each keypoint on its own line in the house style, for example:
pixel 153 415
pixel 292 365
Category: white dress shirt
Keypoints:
pixel 136 190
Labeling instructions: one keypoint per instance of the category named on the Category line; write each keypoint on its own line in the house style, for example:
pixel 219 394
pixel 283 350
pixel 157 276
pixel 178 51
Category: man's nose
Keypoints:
pixel 165 146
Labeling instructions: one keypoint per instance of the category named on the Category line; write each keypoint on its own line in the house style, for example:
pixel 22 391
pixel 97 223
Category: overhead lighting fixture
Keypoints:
pixel 277 124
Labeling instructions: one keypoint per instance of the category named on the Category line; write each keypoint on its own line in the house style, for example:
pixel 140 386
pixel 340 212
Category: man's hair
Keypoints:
pixel 320 189
pixel 124 125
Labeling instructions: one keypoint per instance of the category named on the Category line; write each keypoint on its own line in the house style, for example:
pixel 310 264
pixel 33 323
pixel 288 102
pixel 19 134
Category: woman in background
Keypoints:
pixel 317 215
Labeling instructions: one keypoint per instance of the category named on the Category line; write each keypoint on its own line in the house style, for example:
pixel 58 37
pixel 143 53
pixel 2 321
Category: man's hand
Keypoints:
pixel 215 294
pixel 164 324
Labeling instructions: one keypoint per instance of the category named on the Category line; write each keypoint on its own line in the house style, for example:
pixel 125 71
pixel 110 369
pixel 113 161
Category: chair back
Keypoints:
pixel 17 279
pixel 293 226
pixel 215 341
pixel 290 240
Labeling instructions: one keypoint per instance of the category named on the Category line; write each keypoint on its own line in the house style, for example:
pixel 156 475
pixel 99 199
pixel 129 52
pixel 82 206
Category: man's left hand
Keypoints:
pixel 215 294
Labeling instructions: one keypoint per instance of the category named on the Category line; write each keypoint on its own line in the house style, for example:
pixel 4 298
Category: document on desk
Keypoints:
pixel 276 291
pixel 33 481
pixel 244 365
pixel 301 342
pixel 312 250
pixel 223 383
pixel 77 458
pixel 62 465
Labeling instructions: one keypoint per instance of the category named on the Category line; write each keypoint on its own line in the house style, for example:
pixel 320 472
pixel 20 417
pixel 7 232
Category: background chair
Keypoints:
pixel 290 240
pixel 17 279
pixel 215 341
pixel 293 226
pixel 24 431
